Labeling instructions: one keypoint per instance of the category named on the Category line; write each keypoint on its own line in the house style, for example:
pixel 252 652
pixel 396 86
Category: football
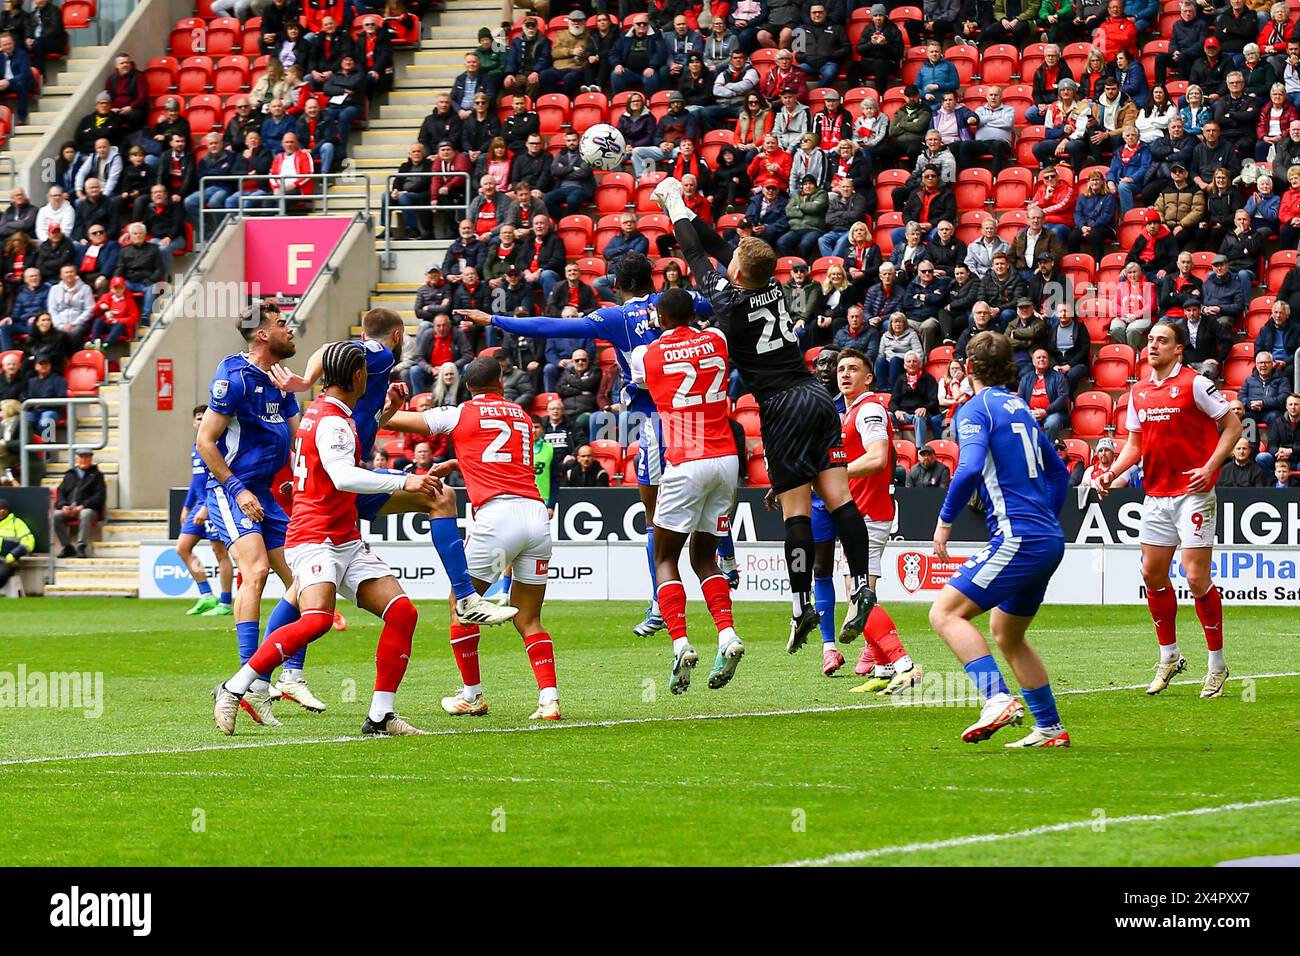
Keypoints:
pixel 602 147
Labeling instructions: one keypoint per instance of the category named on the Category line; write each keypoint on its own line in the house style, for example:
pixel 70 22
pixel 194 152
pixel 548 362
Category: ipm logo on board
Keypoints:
pixel 170 574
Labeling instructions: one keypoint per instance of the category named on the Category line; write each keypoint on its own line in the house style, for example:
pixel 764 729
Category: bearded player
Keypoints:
pixel 1008 459
pixel 1180 429
pixel 325 549
pixel 686 372
pixel 800 427
pixel 869 446
pixel 511 532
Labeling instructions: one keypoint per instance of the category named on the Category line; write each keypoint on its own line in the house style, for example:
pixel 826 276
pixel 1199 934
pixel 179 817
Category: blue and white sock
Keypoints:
pixel 988 679
pixel 650 560
pixel 727 546
pixel 451 552
pixel 285 613
pixel 226 598
pixel 205 589
pixel 824 601
pixel 1042 705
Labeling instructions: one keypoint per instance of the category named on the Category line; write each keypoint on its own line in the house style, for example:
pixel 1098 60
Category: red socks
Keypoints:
pixel 464 645
pixel 672 607
pixel 1209 608
pixel 394 651
pixel 1163 604
pixel 282 643
pixel 541 654
pixel 882 636
pixel 717 595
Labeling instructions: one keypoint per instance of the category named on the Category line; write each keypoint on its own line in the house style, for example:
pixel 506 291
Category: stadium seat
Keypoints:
pixel 618 106
pixel 614 192
pixel 77 14
pixel 729 221
pixel 1091 415
pixel 1095 314
pixel 225 36
pixel 1078 450
pixel 817 271
pixel 1075 56
pixel 1113 367
pixel 577 233
pixel 1000 63
pixel 937 363
pixel 712 144
pixel 905 453
pixel 1120 421
pixel 817 98
pixel 231 74
pixel 966 59
pixel 883 232
pixel 1011 222
pixel 1240 363
pixel 607 227
pixel 661 264
pixel 505 107
pixel 1258 314
pixel 1020 98
pixel 784 267
pixel 746 401
pixel 204 113
pixel 17 353
pixel 1012 188
pixel 887 180
pixel 591 268
pixel 189 37
pixel 968 225
pixel 658 104
pixel 1109 269
pixel 251 44
pixel 810 356
pixel 161 73
pixel 196 75
pixel 913 58
pixel 85 370
pixel 654 226
pixel 1279 264
pixel 975 96
pixel 756 469
pixel 1027 139
pixel 1144 367
pixel 644 187
pixel 588 110
pixel 555 144
pixel 1202 262
pixel 854 98
pixel 1079 268
pixel 629 470
pixel 540 401
pixel 1131 225
pixel 946 452
pixel 892 100
pixel 973 188
pixel 1031 58
pixel 553 112
pixel 749 420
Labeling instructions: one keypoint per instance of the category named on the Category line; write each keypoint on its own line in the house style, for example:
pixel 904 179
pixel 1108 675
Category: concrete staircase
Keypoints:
pixel 62 78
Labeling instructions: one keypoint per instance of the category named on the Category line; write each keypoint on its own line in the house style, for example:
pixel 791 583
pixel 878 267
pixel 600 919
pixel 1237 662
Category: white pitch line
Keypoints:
pixel 582 725
pixel 856 856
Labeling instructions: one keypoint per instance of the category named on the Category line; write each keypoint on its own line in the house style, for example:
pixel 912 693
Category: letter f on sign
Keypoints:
pixel 299 258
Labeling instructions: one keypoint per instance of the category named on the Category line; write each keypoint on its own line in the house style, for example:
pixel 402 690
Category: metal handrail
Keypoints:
pixel 273 202
pixel 386 209
pixel 24 427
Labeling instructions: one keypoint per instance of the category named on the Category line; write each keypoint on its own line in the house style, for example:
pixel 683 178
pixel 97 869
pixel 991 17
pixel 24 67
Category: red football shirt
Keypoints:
pixel 493 439
pixel 1177 419
pixel 686 373
pixel 864 422
pixel 321 513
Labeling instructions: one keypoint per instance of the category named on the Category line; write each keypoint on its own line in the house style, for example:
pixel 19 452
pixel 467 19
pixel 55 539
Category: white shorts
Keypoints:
pixel 697 496
pixel 510 534
pixel 878 535
pixel 1187 520
pixel 346 566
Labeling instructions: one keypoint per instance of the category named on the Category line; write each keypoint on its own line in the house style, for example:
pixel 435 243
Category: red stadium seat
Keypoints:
pixel 161 73
pixel 1240 364
pixel 892 100
pixel 937 362
pixel 196 75
pixel 1120 421
pixel 905 453
pixel 577 233
pixel 748 419
pixel 817 271
pixel 974 186
pixel 1091 415
pixel 538 409
pixel 225 35
pixel 913 58
pixel 505 107
pixel 77 14
pixel 713 143
pixel 1012 188
pixel 85 370
pixel 1079 268
pixel 1108 271
pixel 1113 367
pixel 1279 264
pixel 555 144
pixel 854 98
pixel 204 113
pixel 629 470
pixel 231 74
pixel 1075 56
pixel 883 233
pixel 189 37
pixel 607 227
pixel 1078 450
pixel 968 225
pixel 614 192
pixel 764 61
pixel 644 187
pixel 975 96
pixel 1144 367
pixel 887 180
pixel 618 106
pixel 654 226
pixel 746 401
pixel 658 104
pixel 591 268
pixel 661 264
pixel 1258 314
pixel 1025 142
pixel 1131 225
pixel 17 353
pixel 729 221
pixel 1095 314
pixel 553 112
pixel 784 267
pixel 966 59
pixel 251 45
pixel 1031 58
pixel 756 469
pixel 1011 222
pixel 1000 63
pixel 589 109
pixel 810 356
pixel 1202 263
pixel 946 452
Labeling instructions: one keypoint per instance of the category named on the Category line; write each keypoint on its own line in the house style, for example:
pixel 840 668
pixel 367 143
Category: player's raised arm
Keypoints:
pixel 287 381
pixel 337 447
pixel 697 238
pixel 541 327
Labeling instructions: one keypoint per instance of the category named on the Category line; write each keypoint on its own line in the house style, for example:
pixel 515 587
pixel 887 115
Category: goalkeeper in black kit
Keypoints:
pixel 800 427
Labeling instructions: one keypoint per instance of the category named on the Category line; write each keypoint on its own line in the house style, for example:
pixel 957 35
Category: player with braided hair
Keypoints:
pixel 325 550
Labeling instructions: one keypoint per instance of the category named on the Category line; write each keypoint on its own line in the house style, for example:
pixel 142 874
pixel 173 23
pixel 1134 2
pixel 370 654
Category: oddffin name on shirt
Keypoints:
pixel 503 411
pixel 705 347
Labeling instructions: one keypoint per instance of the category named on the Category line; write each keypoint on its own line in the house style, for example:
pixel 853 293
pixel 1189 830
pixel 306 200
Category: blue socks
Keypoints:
pixel 225 598
pixel 205 589
pixel 824 601
pixel 727 546
pixel 650 560
pixel 446 541
pixel 246 634
pixel 285 613
pixel 988 679
pixel 1042 705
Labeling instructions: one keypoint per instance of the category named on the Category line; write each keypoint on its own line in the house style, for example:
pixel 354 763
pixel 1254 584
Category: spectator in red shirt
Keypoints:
pixel 116 315
pixel 1055 198
pixel 770 166
pixel 1117 32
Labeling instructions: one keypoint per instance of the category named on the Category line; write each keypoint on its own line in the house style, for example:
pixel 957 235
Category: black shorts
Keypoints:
pixel 801 435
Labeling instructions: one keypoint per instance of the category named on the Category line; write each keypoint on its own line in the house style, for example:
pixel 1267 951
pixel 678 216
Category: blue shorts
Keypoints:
pixel 198 530
pixel 229 524
pixel 369 506
pixel 650 455
pixel 1011 574
pixel 823 528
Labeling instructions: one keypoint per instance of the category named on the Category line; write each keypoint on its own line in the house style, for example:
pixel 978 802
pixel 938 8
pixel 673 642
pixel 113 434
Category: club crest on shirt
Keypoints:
pixel 220 388
pixel 1173 391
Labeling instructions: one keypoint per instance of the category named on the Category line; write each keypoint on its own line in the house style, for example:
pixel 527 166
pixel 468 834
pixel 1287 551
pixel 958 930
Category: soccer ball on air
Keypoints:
pixel 601 147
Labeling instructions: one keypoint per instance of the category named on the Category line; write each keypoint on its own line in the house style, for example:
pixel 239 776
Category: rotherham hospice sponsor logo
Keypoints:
pixel 1158 413
pixel 75 909
pixel 62 690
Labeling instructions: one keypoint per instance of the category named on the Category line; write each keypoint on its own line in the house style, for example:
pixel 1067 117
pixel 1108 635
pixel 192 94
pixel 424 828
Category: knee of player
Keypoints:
pixel 256 572
pixel 938 616
pixel 1198 580
pixel 443 504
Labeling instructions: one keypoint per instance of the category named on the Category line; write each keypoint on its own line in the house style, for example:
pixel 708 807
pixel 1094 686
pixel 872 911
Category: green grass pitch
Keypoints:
pixel 789 767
